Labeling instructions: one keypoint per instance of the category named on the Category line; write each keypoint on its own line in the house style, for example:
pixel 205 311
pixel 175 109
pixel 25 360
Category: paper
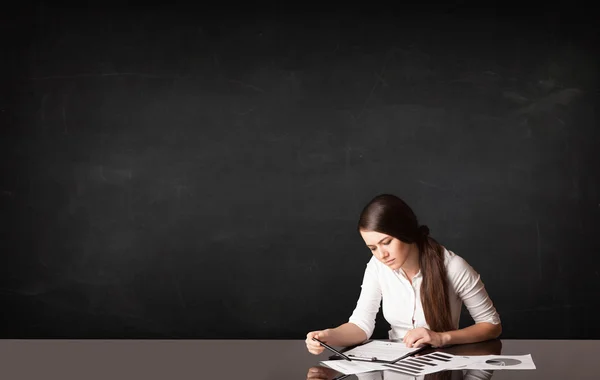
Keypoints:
pixel 439 361
pixel 380 350
pixel 429 363
pixel 353 367
pixel 497 362
pixel 413 366
pixel 434 362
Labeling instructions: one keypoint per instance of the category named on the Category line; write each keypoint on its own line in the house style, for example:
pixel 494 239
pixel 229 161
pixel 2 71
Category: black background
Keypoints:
pixel 198 173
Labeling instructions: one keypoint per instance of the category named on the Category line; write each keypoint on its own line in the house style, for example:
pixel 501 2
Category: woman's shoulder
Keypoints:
pixel 454 262
pixel 373 263
pixel 449 256
pixel 375 267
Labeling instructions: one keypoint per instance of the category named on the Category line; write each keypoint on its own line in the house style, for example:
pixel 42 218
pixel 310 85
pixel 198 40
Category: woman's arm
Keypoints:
pixel 475 333
pixel 368 305
pixel 347 334
pixel 467 284
pixel 361 324
pixel 472 334
pixel 470 288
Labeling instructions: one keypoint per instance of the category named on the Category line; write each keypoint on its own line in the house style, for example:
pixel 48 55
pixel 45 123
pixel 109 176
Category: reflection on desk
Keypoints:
pixel 491 347
pixel 324 373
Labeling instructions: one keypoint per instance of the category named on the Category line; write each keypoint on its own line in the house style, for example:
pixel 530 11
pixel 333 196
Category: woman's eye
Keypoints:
pixel 387 242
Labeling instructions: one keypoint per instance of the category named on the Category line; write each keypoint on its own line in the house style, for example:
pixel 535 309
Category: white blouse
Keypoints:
pixel 402 306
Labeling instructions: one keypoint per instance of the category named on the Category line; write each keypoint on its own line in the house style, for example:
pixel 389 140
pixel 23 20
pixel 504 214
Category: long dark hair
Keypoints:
pixel 390 215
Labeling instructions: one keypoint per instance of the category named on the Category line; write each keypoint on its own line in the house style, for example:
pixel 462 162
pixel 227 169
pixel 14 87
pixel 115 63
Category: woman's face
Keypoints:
pixel 387 249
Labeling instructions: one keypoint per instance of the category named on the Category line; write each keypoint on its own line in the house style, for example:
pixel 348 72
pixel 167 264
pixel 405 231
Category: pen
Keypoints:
pixel 333 349
pixel 373 359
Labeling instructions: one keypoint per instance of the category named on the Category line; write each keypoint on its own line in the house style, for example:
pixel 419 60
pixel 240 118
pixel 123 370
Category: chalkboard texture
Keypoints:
pixel 184 173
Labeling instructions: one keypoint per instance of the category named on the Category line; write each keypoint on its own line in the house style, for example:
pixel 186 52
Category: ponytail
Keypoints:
pixel 434 288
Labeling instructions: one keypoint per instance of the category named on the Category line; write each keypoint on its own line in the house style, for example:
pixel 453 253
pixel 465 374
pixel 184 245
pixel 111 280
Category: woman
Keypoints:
pixel 423 286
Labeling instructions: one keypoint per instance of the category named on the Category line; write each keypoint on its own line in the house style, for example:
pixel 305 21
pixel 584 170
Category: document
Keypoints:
pixel 434 362
pixel 429 363
pixel 497 362
pixel 377 350
pixel 395 356
pixel 438 361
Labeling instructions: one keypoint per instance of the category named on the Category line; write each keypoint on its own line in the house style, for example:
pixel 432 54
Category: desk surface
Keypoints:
pixel 252 359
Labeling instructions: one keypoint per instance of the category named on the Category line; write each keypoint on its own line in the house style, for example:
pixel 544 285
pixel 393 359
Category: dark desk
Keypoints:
pixel 251 359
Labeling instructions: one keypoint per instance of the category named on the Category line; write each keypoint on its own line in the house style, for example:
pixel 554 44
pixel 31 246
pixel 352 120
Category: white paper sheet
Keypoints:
pixel 435 362
pixel 421 365
pixel 498 362
pixel 381 350
pixel 439 361
pixel 429 363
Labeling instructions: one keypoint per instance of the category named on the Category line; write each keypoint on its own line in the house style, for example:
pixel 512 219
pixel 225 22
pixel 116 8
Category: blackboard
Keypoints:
pixel 167 173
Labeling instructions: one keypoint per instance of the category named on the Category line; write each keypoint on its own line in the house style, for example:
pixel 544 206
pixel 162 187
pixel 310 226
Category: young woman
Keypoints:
pixel 423 286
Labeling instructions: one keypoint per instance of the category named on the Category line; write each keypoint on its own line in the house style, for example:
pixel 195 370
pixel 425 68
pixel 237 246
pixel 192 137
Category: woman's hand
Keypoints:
pixel 315 347
pixel 421 336
pixel 321 373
